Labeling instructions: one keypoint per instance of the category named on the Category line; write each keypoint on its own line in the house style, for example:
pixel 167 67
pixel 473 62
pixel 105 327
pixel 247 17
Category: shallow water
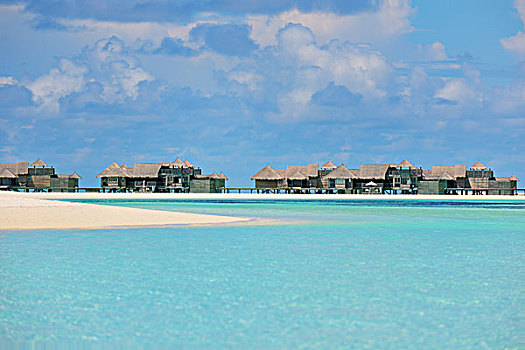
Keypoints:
pixel 361 274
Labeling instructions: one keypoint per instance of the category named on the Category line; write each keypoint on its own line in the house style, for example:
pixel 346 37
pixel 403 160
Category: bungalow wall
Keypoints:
pixel 7 181
pixel 200 186
pixel 38 181
pixel 403 179
pixel 462 182
pixel 145 183
pixel 114 182
pixel 502 187
pixel 322 182
pixel 270 183
pixel 338 183
pixel 480 174
pixel 312 182
pixel 40 171
pixel 207 185
pixel 64 183
pixel 479 182
pixel 432 187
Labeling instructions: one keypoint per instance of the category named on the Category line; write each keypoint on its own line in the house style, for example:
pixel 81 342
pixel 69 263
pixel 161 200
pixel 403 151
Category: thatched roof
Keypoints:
pixel 146 170
pixel 188 164
pixel 39 162
pixel 69 176
pixel 341 172
pixel 19 168
pixel 310 170
pixel 446 176
pixel 177 163
pixel 406 164
pixel 7 174
pixel 374 171
pixel 295 174
pixel 328 165
pixel 281 172
pixel 458 170
pixel 124 166
pixel 267 173
pixel 114 170
pixel 478 166
pixel 509 178
pixel 222 176
pixel 209 176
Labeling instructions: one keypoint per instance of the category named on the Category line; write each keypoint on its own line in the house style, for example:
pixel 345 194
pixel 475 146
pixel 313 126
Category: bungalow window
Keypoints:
pixel 339 181
pixel 397 180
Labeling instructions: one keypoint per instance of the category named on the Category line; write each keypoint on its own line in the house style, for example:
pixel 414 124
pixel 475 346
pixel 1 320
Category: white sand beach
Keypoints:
pixel 27 211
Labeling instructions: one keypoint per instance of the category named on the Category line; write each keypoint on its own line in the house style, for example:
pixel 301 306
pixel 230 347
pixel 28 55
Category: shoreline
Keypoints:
pixel 42 210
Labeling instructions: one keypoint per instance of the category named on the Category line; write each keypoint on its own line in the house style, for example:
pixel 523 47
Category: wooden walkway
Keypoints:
pixel 448 191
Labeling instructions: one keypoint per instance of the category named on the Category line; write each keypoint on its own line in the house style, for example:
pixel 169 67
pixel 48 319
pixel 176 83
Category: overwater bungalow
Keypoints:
pixel 37 176
pixel 401 178
pixel 340 178
pixel 373 178
pixel 176 176
pixel 293 177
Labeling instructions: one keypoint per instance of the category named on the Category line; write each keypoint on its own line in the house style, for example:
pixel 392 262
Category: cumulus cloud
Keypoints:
pixel 310 67
pixel 105 69
pixel 286 80
pixel 389 19
pixel 457 90
pixel 8 81
pixel 59 82
pixel 516 43
pixel 433 52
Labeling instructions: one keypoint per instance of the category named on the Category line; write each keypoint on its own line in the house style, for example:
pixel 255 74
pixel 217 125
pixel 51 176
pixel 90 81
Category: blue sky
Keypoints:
pixel 234 87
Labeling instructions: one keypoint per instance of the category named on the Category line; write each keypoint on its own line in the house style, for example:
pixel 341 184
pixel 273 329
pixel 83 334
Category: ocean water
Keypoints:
pixel 331 274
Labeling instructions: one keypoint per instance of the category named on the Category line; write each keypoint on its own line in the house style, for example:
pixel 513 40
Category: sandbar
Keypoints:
pixel 19 211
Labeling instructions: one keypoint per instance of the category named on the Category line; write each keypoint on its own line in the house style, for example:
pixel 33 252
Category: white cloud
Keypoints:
pixel 8 81
pixel 433 52
pixel 59 82
pixel 516 43
pixel 461 91
pixel 357 67
pixel 391 19
pixel 301 67
pixel 117 71
pixel 106 63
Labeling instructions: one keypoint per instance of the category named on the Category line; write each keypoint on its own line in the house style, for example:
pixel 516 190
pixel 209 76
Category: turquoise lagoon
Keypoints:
pixel 364 274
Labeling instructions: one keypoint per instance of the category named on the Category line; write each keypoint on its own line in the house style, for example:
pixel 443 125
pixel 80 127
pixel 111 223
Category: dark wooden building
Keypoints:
pixel 401 178
pixel 177 176
pixel 38 176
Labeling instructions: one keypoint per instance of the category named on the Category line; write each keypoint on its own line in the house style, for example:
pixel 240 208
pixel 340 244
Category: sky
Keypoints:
pixel 235 85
